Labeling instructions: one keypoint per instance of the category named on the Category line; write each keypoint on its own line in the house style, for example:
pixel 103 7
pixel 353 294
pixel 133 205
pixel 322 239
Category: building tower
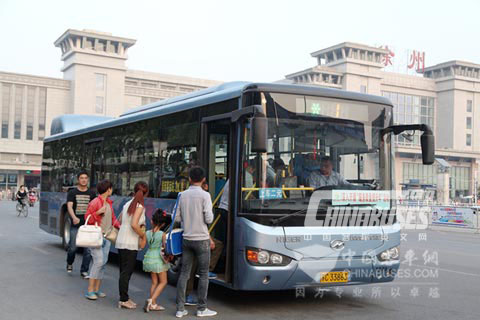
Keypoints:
pixel 93 62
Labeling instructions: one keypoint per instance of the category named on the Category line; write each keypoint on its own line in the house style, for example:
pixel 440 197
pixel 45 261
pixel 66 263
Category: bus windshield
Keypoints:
pixel 317 143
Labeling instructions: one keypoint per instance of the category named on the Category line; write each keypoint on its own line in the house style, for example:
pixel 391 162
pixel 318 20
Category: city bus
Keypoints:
pixel 266 142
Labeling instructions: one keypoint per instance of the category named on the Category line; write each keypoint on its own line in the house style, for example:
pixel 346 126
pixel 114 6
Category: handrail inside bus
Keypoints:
pixel 212 226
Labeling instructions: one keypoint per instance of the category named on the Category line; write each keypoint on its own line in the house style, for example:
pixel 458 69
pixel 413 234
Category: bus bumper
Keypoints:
pixel 307 273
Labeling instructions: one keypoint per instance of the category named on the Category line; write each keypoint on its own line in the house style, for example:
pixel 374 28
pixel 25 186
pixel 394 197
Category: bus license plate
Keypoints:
pixel 334 277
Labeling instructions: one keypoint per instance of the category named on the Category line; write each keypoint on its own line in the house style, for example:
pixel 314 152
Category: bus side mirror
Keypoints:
pixel 427 140
pixel 259 133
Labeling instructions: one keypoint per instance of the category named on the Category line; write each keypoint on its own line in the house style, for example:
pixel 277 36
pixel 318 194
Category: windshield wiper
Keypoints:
pixel 276 221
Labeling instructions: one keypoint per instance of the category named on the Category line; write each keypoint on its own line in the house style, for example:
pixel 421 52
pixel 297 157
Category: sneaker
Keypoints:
pixel 69 268
pixel 84 275
pixel 100 294
pixel 190 300
pixel 180 314
pixel 211 275
pixel 206 313
pixel 91 296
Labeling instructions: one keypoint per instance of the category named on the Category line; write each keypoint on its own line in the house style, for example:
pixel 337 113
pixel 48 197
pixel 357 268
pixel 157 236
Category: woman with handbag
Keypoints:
pixel 100 212
pixel 131 237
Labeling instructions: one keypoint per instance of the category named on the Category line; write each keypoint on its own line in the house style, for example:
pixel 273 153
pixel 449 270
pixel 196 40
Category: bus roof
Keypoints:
pixel 197 99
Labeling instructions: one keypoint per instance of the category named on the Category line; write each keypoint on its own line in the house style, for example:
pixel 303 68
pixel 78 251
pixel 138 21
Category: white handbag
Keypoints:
pixel 89 236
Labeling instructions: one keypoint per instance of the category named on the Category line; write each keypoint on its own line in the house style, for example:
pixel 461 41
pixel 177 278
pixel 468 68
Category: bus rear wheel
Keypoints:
pixel 66 232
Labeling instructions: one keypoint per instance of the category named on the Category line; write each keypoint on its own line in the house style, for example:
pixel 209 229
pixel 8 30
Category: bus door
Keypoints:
pixel 216 159
pixel 93 161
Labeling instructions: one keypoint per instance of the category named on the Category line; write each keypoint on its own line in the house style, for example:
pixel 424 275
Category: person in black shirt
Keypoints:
pixel 77 203
pixel 21 195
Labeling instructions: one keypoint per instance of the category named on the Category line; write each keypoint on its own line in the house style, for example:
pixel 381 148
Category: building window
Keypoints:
pixel 417 171
pixel 469 122
pixel 148 85
pixel 30 111
pixel 100 81
pixel 99 104
pixel 42 112
pixel 6 89
pixel 17 126
pixel 469 105
pixel 469 139
pixel 410 109
pixel 459 181
pixel 166 87
pixel 363 89
pixel 147 100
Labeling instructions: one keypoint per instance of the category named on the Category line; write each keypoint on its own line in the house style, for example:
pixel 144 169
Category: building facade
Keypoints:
pixel 95 81
pixel 446 97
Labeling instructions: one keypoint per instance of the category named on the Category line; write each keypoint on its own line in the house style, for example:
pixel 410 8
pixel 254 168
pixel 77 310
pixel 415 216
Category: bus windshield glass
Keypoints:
pixel 317 143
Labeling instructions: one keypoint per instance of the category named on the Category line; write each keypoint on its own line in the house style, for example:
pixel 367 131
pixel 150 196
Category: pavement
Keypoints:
pixel 439 279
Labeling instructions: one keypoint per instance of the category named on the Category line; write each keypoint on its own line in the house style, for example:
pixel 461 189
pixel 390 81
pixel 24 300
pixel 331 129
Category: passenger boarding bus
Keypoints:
pixel 289 223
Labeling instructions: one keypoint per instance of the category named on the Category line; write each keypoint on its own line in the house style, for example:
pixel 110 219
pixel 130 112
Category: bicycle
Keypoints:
pixel 22 208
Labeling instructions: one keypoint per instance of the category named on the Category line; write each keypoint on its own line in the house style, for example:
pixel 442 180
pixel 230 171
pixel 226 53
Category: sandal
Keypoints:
pixel 126 305
pixel 148 305
pixel 132 302
pixel 156 307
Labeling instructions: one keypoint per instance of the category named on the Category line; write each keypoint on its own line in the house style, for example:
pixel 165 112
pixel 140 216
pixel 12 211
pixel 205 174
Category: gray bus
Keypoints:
pixel 286 225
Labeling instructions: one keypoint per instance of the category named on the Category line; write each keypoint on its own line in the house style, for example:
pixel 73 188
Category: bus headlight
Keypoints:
pixel 262 257
pixel 389 254
pixel 275 258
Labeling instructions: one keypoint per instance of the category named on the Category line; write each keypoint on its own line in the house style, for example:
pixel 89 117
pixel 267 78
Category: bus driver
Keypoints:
pixel 326 176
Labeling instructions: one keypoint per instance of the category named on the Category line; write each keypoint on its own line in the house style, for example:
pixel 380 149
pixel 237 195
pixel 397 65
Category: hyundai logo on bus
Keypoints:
pixel 337 244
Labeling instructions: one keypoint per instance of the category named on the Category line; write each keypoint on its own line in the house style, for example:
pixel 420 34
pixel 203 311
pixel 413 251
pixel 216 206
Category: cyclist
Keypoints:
pixel 21 195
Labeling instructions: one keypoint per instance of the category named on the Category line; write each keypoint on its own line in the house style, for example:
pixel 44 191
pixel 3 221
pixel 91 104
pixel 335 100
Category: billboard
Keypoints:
pixel 455 216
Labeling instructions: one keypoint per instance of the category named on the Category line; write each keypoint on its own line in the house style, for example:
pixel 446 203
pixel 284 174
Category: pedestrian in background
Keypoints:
pixel 154 262
pixel 131 237
pixel 100 212
pixel 77 203
pixel 195 213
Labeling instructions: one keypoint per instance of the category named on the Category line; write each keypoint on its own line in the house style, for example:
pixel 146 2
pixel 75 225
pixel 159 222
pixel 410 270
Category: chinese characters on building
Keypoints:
pixel 409 61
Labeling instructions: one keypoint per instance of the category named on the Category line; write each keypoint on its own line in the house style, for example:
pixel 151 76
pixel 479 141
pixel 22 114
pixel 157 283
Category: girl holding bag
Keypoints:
pixel 131 237
pixel 100 212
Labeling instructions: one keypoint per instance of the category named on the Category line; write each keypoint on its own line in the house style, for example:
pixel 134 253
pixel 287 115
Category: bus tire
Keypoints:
pixel 65 232
pixel 174 272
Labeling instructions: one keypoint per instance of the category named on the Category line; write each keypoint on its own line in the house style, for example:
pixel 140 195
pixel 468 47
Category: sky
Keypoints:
pixel 229 40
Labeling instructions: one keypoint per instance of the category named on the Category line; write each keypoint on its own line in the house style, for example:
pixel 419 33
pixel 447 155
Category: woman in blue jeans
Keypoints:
pixel 100 212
